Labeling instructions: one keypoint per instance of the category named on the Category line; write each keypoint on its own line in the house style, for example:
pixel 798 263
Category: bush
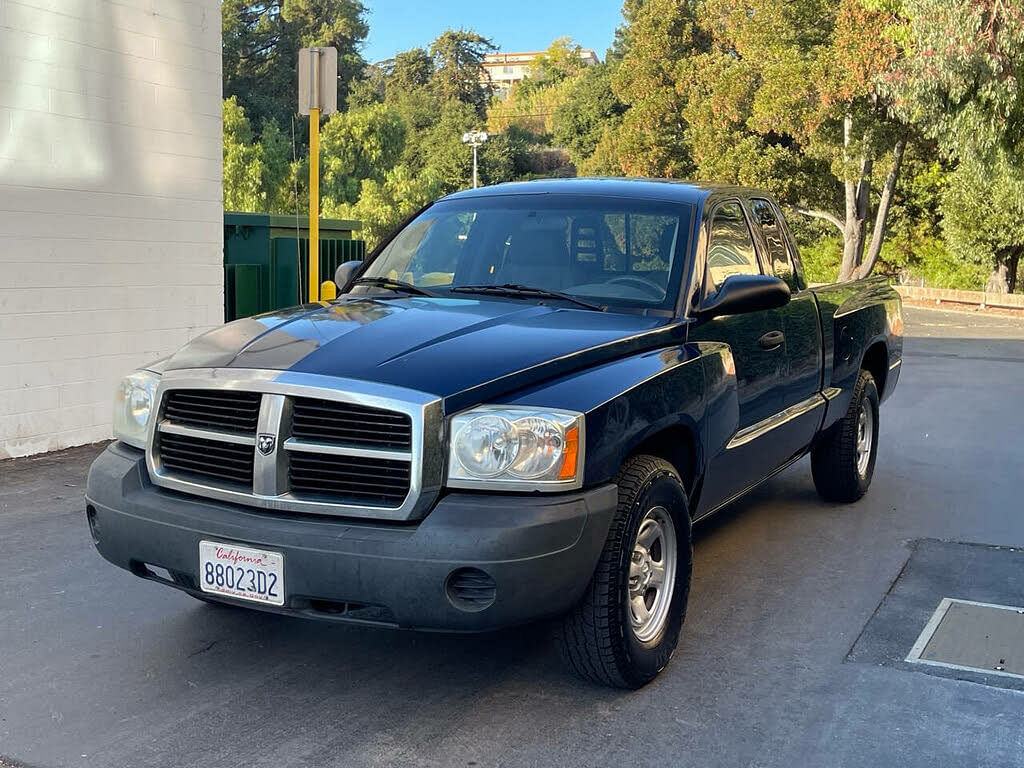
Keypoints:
pixel 933 263
pixel 911 261
pixel 821 259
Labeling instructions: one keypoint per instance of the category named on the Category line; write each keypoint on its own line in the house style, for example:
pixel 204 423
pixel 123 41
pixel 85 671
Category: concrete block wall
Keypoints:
pixel 110 203
pixel 1001 300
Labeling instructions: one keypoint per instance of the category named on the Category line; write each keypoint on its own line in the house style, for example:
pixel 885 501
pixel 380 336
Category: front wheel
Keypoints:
pixel 843 459
pixel 625 629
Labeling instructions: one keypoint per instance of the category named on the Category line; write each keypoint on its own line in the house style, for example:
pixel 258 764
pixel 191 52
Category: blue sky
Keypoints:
pixel 514 25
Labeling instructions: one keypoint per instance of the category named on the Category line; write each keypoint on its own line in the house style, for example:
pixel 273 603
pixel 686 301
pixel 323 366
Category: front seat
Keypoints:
pixel 538 258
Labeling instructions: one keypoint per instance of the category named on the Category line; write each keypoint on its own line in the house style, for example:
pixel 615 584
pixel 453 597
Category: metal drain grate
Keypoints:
pixel 980 637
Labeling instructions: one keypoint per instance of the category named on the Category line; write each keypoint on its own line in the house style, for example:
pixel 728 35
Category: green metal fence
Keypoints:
pixel 265 262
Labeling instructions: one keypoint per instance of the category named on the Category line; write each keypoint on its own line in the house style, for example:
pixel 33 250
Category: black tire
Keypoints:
pixel 834 457
pixel 597 638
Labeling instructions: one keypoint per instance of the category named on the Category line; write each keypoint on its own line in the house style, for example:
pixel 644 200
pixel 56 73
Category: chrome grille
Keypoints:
pixel 350 424
pixel 214 409
pixel 207 459
pixel 293 442
pixel 356 479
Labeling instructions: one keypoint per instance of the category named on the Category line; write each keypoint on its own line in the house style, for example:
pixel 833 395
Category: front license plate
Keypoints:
pixel 241 572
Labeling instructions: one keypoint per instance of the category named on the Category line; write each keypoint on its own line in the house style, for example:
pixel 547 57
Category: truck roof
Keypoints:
pixel 668 190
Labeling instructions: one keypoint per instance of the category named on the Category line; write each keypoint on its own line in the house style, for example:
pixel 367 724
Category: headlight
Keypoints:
pixel 516 448
pixel 133 406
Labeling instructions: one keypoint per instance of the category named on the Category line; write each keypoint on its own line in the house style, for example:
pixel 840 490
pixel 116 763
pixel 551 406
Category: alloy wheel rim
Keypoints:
pixel 652 574
pixel 865 437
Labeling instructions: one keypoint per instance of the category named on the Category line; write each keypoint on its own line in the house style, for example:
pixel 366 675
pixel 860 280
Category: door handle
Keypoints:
pixel 772 340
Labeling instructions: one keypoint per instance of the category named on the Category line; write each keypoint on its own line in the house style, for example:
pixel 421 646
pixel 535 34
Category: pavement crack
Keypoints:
pixel 204 649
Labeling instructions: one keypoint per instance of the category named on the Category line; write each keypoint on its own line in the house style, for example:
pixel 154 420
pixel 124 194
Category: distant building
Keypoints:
pixel 507 69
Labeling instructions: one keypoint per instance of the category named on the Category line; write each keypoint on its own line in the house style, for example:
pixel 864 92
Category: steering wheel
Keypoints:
pixel 652 289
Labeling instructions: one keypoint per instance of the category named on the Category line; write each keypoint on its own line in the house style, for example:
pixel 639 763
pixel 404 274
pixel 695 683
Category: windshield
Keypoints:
pixel 614 251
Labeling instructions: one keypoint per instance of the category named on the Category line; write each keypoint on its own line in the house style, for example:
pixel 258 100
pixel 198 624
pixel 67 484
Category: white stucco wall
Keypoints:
pixel 110 203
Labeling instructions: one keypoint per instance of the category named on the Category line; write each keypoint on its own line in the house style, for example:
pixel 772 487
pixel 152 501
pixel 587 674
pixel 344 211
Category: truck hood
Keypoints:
pixel 461 349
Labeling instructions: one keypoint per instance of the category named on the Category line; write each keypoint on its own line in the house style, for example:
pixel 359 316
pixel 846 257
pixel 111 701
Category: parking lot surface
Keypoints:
pixel 98 668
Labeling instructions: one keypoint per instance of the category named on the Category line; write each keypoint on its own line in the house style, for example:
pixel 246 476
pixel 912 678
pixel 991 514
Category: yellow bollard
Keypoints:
pixel 328 291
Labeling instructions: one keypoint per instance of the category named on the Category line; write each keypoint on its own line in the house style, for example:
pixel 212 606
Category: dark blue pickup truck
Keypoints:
pixel 517 408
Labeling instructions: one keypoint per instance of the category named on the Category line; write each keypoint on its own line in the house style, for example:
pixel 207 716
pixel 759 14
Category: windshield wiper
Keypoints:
pixel 516 289
pixel 394 285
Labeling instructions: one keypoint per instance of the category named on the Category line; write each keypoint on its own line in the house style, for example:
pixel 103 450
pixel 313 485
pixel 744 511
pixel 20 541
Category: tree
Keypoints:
pixel 961 72
pixel 384 204
pixel 243 162
pixel 787 96
pixel 459 71
pixel 623 41
pixel 589 108
pixel 960 79
pixel 652 141
pixel 410 70
pixel 255 172
pixel 528 107
pixel 278 170
pixel 983 216
pixel 369 87
pixel 357 145
pixel 261 41
pixel 561 61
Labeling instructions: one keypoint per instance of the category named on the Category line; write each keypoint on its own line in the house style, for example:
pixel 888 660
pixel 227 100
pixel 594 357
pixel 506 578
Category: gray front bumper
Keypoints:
pixel 540 550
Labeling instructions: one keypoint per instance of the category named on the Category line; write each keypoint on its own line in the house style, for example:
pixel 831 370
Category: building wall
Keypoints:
pixel 110 203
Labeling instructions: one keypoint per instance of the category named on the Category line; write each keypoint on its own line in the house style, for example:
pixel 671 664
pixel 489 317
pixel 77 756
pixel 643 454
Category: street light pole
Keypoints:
pixel 474 139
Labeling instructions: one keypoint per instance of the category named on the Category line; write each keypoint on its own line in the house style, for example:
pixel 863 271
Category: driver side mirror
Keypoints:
pixel 344 273
pixel 740 294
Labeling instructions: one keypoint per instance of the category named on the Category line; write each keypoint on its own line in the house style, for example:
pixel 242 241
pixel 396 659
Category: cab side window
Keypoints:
pixel 779 255
pixel 730 247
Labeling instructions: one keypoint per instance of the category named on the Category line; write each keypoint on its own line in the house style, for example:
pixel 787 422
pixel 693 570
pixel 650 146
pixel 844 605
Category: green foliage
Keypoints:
pixel 925 259
pixel 983 211
pixel 384 204
pixel 806 98
pixel 821 259
pixel 261 41
pixel 529 108
pixel 560 62
pixel 459 68
pixel 589 109
pixel 410 69
pixel 277 169
pixel 255 171
pixel 652 140
pixel 357 145
pixel 936 265
pixel 961 72
pixel 243 162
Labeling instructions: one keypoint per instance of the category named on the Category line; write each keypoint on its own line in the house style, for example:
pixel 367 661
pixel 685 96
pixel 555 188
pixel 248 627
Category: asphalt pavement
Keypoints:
pixel 99 668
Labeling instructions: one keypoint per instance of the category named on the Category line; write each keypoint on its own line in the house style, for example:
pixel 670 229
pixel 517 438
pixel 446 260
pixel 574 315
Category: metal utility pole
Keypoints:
pixel 474 139
pixel 318 94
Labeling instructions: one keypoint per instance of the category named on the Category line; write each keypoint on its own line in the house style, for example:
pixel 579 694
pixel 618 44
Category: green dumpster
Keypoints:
pixel 265 259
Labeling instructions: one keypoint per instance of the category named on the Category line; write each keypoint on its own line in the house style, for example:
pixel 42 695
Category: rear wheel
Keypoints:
pixel 625 629
pixel 843 459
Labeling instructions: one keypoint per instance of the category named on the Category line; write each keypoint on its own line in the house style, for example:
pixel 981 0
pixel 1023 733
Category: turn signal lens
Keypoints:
pixel 571 453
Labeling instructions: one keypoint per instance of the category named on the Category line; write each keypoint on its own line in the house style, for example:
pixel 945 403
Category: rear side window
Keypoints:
pixel 730 247
pixel 778 249
pixel 638 242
